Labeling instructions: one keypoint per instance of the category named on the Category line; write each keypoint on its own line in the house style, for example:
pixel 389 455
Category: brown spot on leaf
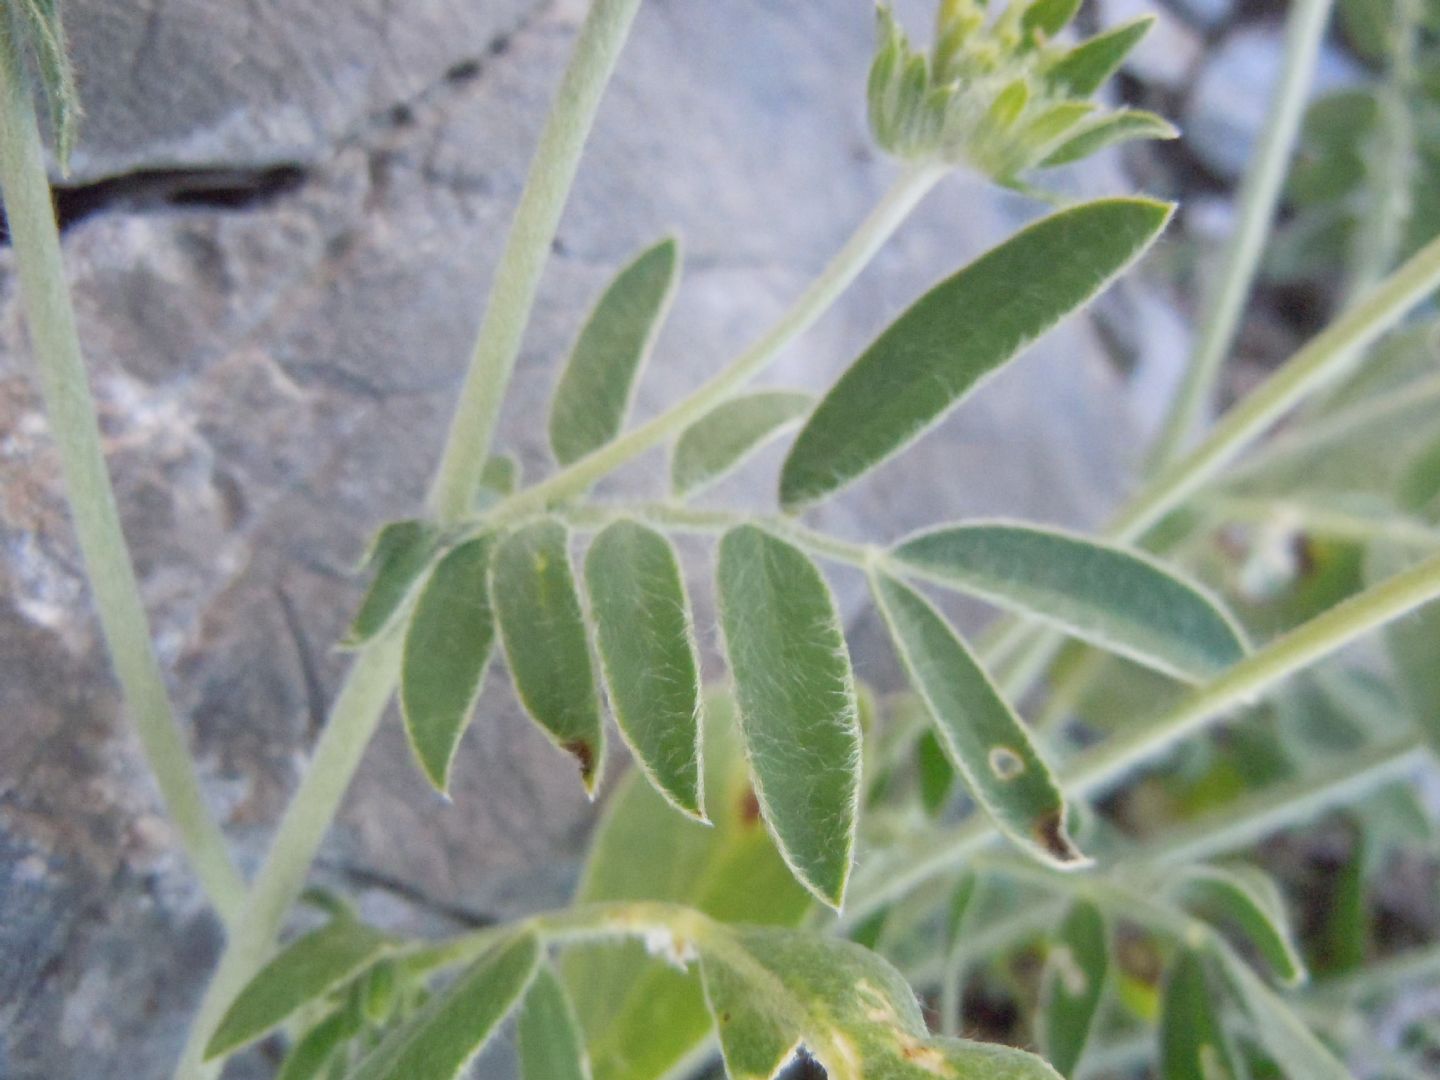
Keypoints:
pixel 1051 834
pixel 749 807
pixel 583 753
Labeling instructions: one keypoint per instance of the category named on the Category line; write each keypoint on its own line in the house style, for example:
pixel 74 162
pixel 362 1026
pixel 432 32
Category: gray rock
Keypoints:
pixel 1206 14
pixel 275 379
pixel 1227 106
pixel 190 83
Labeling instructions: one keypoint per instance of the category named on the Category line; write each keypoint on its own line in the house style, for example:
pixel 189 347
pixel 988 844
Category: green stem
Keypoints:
pixel 1332 433
pixel 1095 773
pixel 63 381
pixel 1259 198
pixel 1327 356
pixel 1319 520
pixel 678 518
pixel 372 676
pixel 353 719
pixel 894 207
pixel 528 247
pixel 1251 818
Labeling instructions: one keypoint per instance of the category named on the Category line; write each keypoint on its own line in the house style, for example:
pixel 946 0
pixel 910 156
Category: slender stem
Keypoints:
pixel 1100 770
pixel 518 276
pixel 1251 818
pixel 372 676
pixel 1320 520
pixel 1327 356
pixel 1259 198
pixel 1331 434
pixel 353 719
pixel 60 367
pixel 894 207
pixel 678 518
pixel 1245 681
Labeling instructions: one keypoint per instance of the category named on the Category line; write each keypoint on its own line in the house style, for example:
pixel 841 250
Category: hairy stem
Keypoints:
pixel 1327 356
pixel 526 250
pixel 353 719
pixel 373 675
pixel 60 367
pixel 1259 198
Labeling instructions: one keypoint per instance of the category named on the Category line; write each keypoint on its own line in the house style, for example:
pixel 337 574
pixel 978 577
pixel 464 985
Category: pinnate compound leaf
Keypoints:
pixel 1111 597
pixel 986 740
pixel 1072 986
pixel 959 332
pixel 642 1016
pixel 1247 899
pixel 729 433
pixel 594 392
pixel 454 1025
pixel 549 1034
pixel 304 971
pixel 772 991
pixel 1084 69
pixel 796 697
pixel 1108 130
pixel 542 626
pixel 1193 1045
pixel 447 646
pixel 647 655
pixel 398 556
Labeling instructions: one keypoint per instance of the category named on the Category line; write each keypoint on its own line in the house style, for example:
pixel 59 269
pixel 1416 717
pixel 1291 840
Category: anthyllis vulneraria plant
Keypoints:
pixel 730 853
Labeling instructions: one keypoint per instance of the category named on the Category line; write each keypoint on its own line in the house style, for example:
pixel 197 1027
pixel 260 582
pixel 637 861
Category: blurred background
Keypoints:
pixel 280 226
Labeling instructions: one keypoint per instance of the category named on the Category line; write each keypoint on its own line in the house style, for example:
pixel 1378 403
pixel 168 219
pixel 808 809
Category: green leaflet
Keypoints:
pixel 1193 1045
pixel 772 990
pixel 594 392
pixel 447 646
pixel 1247 899
pixel 549 1034
pixel 647 654
pixel 729 433
pixel 316 1049
pixel 796 697
pixel 937 775
pixel 1107 130
pixel 1112 597
pixel 533 593
pixel 1049 16
pixel 304 971
pixel 1072 986
pixel 641 1016
pixel 398 555
pixel 444 1036
pixel 1083 70
pixel 986 740
pixel 962 330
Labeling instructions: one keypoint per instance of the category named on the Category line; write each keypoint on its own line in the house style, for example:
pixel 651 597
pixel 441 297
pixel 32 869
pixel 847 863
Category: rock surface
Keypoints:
pixel 275 372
